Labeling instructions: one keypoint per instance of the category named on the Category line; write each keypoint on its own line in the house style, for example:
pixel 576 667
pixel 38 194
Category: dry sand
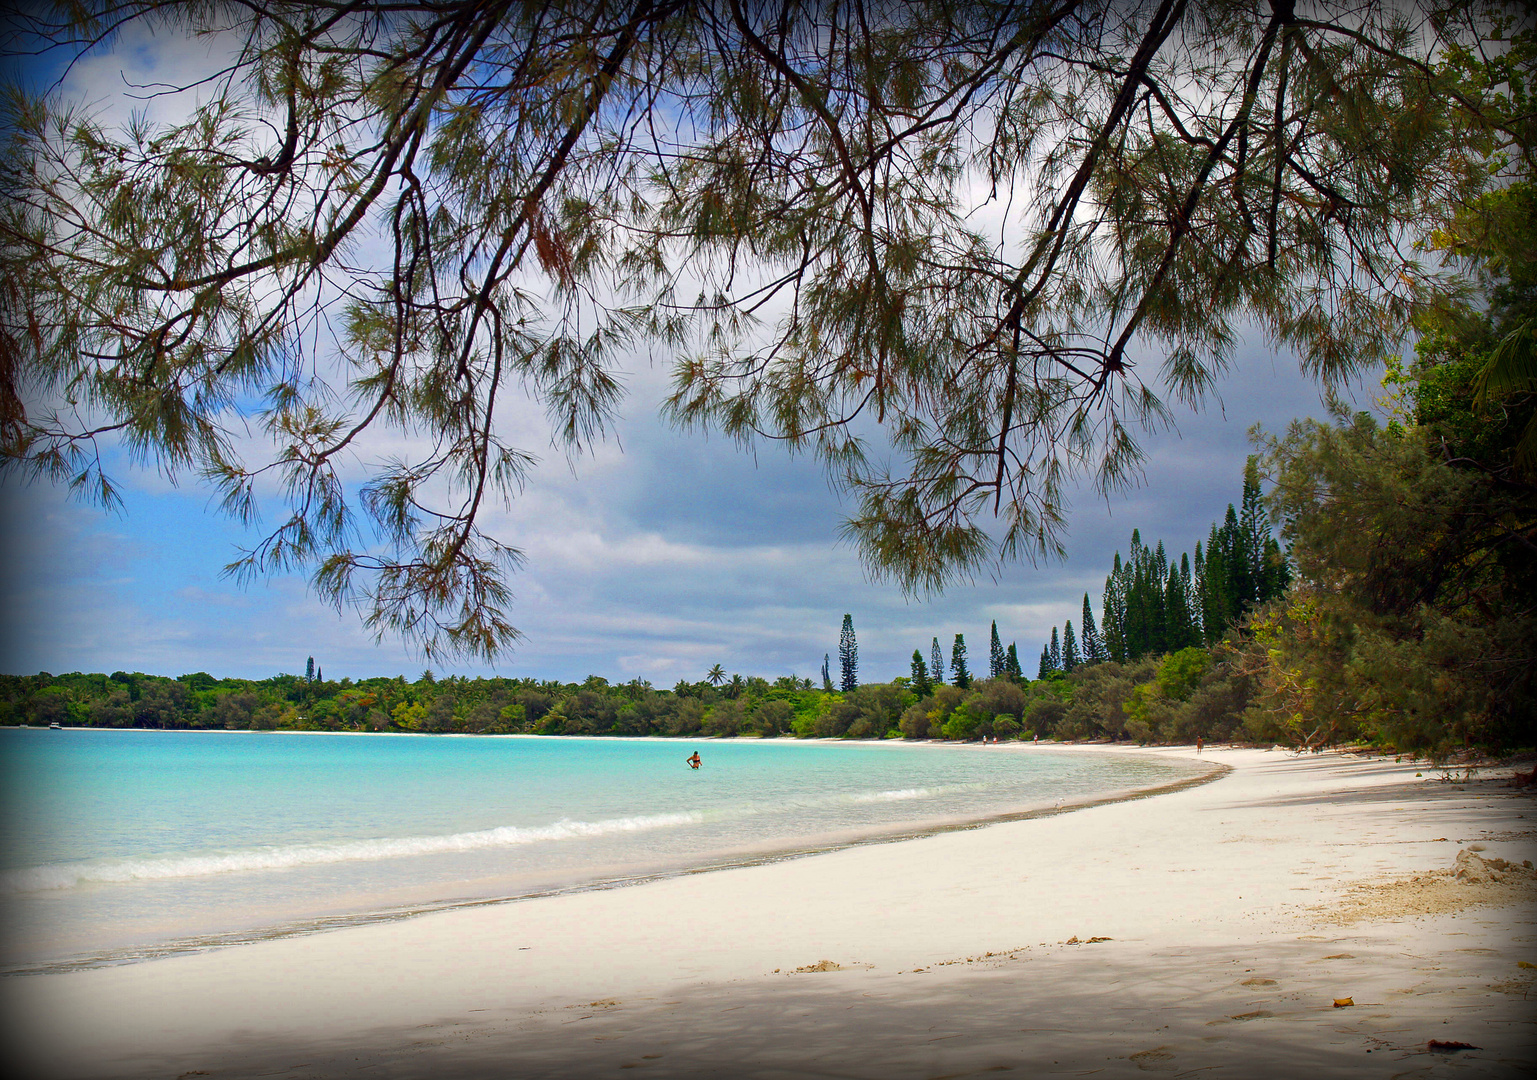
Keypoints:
pixel 1206 931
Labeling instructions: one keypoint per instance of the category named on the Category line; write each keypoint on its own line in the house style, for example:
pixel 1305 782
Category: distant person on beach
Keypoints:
pixel 1200 743
pixel 694 762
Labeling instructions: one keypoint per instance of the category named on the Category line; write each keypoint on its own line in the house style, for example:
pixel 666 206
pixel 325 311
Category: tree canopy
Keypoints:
pixel 935 244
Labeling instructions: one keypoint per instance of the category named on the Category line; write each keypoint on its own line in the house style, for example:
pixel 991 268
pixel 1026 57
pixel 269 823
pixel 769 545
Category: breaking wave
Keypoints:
pixel 161 868
pixel 901 795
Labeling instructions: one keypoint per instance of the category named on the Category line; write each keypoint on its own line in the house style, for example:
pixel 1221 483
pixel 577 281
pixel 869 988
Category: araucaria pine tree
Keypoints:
pixel 1179 611
pixel 919 682
pixel 1267 564
pixel 848 655
pixel 936 663
pixel 1154 606
pixel 1088 641
pixel 1069 647
pixel 1045 670
pixel 1011 663
pixel 309 670
pixel 827 674
pixel 1055 651
pixel 1113 628
pixel 995 655
pixel 960 674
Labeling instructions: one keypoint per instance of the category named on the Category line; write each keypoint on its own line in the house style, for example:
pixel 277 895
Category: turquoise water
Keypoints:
pixel 119 844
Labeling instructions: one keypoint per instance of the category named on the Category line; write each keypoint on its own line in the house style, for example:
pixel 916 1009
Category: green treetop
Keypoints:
pixel 1093 650
pixel 919 680
pixel 960 674
pixel 848 655
pixel 1070 658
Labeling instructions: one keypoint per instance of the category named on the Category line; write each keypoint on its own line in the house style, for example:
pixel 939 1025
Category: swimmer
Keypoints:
pixel 694 762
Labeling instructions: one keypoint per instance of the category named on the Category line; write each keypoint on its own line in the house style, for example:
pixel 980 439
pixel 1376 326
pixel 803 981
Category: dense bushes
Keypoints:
pixel 1089 703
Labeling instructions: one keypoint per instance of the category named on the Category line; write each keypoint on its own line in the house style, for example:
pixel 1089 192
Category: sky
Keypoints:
pixel 656 557
pixel 661 555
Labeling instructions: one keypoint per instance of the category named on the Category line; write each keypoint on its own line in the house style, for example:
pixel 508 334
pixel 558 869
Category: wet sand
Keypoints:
pixel 1233 915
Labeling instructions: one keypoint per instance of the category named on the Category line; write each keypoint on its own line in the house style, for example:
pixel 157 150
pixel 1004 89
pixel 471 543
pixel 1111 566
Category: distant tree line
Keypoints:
pixel 1002 707
pixel 1404 616
pixel 935 700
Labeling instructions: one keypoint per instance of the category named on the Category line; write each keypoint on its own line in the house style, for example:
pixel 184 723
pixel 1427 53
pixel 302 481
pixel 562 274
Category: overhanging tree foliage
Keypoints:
pixel 1413 618
pixel 969 223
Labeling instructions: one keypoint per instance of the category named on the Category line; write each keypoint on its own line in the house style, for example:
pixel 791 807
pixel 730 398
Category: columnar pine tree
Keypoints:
pixel 1152 605
pixel 1070 658
pixel 1198 589
pixel 848 655
pixel 1011 663
pixel 1113 610
pixel 309 670
pixel 1139 626
pixel 827 674
pixel 1178 617
pixel 1214 588
pixel 1271 573
pixel 1045 670
pixel 1160 631
pixel 936 663
pixel 1254 525
pixel 920 675
pixel 1240 567
pixel 1055 651
pixel 1187 582
pixel 1089 642
pixel 995 655
pixel 960 674
pixel 1277 574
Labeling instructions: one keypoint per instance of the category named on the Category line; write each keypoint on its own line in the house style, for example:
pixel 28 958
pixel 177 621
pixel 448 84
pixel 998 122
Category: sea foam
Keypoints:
pixel 901 795
pixel 161 868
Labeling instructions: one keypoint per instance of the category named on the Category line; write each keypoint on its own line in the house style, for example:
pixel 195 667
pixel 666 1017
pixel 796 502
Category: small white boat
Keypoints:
pixel 55 726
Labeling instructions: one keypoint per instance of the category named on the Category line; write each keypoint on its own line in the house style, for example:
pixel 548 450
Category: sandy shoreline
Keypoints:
pixel 1235 913
pixel 757 854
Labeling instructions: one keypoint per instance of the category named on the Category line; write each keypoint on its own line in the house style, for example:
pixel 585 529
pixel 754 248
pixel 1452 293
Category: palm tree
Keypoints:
pixel 736 686
pixel 1511 368
pixel 717 675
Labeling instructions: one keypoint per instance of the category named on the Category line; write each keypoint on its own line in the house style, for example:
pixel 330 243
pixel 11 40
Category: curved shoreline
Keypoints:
pixel 1195 934
pixel 325 924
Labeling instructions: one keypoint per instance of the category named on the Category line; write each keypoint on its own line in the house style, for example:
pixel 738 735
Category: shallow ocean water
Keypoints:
pixel 116 845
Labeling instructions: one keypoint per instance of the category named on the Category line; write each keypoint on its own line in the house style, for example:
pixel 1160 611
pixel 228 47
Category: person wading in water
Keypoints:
pixel 694 762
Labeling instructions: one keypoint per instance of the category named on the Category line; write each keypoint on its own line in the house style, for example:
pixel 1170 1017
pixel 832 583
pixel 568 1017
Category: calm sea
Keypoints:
pixel 118 845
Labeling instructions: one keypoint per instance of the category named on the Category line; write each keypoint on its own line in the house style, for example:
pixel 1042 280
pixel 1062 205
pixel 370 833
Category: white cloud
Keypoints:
pixel 655 555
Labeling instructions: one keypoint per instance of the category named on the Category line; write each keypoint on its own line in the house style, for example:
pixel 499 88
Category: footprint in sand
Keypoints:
pixel 1157 1058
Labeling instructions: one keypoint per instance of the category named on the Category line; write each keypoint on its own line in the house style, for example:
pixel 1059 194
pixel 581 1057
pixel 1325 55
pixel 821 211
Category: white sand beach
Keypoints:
pixel 1205 931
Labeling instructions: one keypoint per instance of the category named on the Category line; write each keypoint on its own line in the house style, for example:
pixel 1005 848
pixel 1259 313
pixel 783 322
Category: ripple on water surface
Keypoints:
pixel 119 844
